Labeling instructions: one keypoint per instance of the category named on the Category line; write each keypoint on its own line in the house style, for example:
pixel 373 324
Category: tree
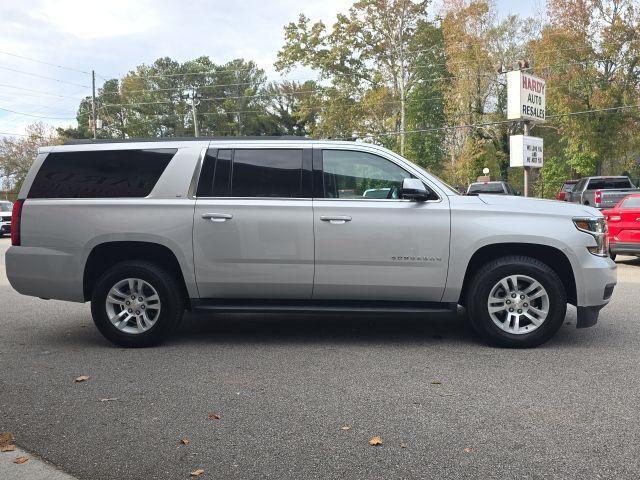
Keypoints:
pixel 18 153
pixel 368 48
pixel 590 53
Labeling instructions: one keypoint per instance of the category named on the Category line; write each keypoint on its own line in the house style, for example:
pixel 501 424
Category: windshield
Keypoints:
pixel 486 188
pixel 5 207
pixel 629 203
pixel 568 187
pixel 449 190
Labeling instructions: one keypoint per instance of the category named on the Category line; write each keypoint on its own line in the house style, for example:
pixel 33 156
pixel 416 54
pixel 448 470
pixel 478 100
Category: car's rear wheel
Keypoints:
pixel 136 304
pixel 516 301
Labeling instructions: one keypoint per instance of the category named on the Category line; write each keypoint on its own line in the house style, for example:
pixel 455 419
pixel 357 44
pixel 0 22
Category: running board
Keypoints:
pixel 308 306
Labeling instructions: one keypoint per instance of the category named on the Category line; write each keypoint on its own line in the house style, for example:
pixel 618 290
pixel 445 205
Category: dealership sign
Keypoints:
pixel 525 151
pixel 525 97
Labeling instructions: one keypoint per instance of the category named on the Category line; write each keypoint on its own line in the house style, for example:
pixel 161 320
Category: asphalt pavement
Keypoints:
pixel 443 404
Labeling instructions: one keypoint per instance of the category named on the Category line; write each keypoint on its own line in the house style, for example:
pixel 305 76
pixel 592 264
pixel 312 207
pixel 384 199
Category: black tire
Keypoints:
pixel 613 255
pixel 489 275
pixel 168 289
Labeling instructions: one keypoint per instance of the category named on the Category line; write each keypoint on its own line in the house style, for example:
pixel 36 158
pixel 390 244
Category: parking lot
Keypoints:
pixel 444 405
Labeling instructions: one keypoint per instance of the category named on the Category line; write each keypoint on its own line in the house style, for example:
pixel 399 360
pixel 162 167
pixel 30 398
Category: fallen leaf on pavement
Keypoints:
pixel 20 460
pixel 375 441
pixel 82 378
pixel 403 445
pixel 468 450
pixel 436 382
pixel 214 416
pixel 6 438
pixel 197 473
pixel 344 428
pixel 7 448
pixel 184 441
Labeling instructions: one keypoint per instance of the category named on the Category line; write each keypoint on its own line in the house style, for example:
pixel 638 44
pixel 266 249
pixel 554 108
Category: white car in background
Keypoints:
pixel 5 217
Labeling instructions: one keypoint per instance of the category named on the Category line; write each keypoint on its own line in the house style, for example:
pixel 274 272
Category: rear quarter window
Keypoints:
pixel 100 174
pixel 609 183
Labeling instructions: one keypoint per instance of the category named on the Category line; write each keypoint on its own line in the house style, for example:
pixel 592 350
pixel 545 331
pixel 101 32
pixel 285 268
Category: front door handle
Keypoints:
pixel 335 219
pixel 217 217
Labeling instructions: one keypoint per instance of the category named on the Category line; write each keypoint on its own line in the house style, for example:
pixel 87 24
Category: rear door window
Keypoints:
pixel 100 173
pixel 267 173
pixel 263 173
pixel 215 176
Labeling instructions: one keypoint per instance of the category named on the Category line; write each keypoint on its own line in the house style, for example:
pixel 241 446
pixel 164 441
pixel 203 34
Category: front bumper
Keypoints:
pixel 596 278
pixel 622 248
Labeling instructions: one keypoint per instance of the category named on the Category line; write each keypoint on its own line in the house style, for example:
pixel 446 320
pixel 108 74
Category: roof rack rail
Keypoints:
pixel 89 141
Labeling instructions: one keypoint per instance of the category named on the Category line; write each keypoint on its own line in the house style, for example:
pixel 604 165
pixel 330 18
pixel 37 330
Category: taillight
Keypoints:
pixel 16 214
pixel 597 197
pixel 561 196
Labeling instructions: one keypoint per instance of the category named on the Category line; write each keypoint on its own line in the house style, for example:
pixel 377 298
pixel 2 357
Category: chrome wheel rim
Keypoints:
pixel 133 305
pixel 518 304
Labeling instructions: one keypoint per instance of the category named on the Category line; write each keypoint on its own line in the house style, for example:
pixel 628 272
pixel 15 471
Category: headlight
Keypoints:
pixel 597 228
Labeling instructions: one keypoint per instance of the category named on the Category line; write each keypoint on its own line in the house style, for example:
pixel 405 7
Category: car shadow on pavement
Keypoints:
pixel 325 327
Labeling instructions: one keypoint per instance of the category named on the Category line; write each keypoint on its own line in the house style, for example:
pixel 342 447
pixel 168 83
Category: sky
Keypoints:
pixel 49 47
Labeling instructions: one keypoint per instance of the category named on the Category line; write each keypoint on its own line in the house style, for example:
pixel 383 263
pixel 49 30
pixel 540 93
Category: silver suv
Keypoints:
pixel 145 230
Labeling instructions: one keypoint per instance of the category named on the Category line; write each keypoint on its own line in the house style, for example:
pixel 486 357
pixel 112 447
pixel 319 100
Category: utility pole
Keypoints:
pixel 527 170
pixel 194 97
pixel 93 103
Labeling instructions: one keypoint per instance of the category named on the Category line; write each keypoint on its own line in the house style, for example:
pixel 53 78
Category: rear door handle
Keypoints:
pixel 335 219
pixel 217 217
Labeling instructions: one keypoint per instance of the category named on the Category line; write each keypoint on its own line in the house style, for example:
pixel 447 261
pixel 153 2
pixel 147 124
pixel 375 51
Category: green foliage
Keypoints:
pixel 392 73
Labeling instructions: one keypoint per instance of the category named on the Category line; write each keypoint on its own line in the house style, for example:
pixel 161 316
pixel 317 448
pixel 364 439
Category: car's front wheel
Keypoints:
pixel 136 304
pixel 516 301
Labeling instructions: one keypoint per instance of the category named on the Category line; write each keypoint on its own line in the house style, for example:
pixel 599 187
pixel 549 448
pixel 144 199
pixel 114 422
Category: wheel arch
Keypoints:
pixel 551 256
pixel 107 254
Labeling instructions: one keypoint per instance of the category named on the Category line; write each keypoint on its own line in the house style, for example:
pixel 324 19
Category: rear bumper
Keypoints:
pixel 622 248
pixel 45 273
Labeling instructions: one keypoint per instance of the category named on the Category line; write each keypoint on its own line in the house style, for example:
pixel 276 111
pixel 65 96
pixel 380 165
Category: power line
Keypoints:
pixel 13 134
pixel 502 122
pixel 43 62
pixel 43 76
pixel 39 92
pixel 36 116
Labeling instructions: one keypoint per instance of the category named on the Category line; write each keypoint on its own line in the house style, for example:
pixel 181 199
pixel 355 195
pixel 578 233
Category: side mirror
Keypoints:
pixel 414 189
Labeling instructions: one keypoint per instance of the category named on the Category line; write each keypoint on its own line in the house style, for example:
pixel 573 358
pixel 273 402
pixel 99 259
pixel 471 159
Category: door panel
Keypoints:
pixel 389 250
pixel 253 248
pixel 371 244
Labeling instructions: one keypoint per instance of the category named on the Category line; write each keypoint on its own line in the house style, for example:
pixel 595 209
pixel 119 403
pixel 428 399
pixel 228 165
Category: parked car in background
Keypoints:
pixel 147 229
pixel 5 217
pixel 624 227
pixel 493 188
pixel 566 188
pixel 602 192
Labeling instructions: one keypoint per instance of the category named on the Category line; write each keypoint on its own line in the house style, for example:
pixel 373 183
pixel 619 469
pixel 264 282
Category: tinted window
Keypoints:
pixel 266 173
pixel 568 187
pixel 604 183
pixel 215 176
pixel 360 175
pixel 631 203
pixel 100 174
